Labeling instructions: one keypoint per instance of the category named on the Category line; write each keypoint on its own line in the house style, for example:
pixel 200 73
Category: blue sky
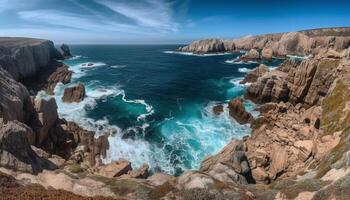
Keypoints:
pixel 163 21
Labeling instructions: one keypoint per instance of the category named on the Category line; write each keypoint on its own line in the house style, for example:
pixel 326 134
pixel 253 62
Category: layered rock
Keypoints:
pixel 279 45
pixel 16 152
pixel 251 55
pixel 61 75
pixel 205 46
pixel 253 75
pixel 74 94
pixel 23 57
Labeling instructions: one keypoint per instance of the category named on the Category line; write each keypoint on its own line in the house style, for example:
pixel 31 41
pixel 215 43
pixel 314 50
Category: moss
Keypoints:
pixel 333 117
pixel 124 187
pixel 338 190
pixel 74 168
pixel 335 154
pixel 161 191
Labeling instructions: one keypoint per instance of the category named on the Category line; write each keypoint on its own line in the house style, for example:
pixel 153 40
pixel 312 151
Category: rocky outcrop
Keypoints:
pixel 253 75
pixel 66 51
pixel 281 44
pixel 16 152
pixel 15 103
pixel 115 169
pixel 251 55
pixel 61 75
pixel 23 57
pixel 74 94
pixel 205 46
pixel 306 82
pixel 218 109
pixel 238 112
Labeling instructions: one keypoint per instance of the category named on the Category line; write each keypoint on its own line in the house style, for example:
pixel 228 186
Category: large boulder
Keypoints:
pixel 115 169
pixel 238 112
pixel 16 152
pixel 251 55
pixel 253 75
pixel 46 117
pixel 74 94
pixel 279 161
pixel 267 53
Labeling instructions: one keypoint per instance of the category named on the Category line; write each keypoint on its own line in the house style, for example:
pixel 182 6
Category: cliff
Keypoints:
pixel 281 44
pixel 23 57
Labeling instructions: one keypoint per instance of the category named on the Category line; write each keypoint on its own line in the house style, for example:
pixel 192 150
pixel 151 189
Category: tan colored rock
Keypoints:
pixel 260 175
pixel 158 179
pixel 251 55
pixel 141 172
pixel 114 169
pixel 74 94
pixel 253 75
pixel 191 179
pixel 226 174
pixel 267 53
pixel 279 161
pixel 306 148
pixel 61 75
pixel 238 112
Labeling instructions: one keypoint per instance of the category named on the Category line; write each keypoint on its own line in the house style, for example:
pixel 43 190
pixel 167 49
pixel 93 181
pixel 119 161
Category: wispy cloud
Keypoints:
pixel 155 14
pixel 76 21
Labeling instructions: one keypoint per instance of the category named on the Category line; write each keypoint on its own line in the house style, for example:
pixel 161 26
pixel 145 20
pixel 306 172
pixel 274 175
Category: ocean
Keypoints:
pixel 156 104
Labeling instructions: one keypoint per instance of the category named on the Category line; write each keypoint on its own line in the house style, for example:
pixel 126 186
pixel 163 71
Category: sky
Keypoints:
pixel 164 21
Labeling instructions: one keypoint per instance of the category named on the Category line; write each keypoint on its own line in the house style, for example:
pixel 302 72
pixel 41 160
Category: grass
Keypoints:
pixel 333 116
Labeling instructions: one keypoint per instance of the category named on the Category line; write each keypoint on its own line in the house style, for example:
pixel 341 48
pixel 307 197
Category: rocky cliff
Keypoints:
pixel 299 147
pixel 23 57
pixel 293 43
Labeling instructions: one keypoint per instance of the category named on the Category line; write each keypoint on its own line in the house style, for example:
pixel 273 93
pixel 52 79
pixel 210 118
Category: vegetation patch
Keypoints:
pixel 333 116
pixel 335 154
pixel 338 190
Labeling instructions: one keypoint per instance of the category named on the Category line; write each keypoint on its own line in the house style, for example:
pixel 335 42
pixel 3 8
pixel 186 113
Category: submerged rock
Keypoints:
pixel 218 109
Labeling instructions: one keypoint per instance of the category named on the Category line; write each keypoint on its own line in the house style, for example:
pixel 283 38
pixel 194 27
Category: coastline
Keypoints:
pixel 302 144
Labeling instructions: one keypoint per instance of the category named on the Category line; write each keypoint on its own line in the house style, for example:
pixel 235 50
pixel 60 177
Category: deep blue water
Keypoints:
pixel 156 105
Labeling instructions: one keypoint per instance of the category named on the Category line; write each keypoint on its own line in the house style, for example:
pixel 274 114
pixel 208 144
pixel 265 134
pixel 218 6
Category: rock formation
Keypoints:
pixel 238 112
pixel 279 45
pixel 74 94
pixel 23 57
pixel 253 75
pixel 66 51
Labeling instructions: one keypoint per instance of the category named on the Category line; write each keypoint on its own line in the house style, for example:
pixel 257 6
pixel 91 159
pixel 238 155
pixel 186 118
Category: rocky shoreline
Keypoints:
pixel 299 147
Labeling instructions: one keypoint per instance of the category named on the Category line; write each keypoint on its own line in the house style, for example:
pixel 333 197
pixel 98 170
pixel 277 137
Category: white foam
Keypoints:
pixel 244 70
pixel 92 64
pixel 148 107
pixel 76 57
pixel 236 82
pixel 118 66
pixel 197 54
pixel 298 57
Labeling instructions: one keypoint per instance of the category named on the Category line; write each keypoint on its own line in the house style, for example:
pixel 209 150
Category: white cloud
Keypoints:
pixel 75 21
pixel 155 14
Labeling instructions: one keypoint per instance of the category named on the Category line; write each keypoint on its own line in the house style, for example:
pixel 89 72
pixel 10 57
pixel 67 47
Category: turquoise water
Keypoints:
pixel 156 104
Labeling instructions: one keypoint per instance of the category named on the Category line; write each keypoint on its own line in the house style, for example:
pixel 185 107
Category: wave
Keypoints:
pixel 244 70
pixel 235 61
pixel 236 82
pixel 196 54
pixel 77 57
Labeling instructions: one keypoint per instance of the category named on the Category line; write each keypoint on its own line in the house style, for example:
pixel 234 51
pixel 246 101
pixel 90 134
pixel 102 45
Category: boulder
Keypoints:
pixel 205 46
pixel 251 55
pixel 61 75
pixel 74 94
pixel 238 112
pixel 46 115
pixel 260 175
pixel 192 179
pixel 279 161
pixel 66 51
pixel 114 169
pixel 16 152
pixel 306 149
pixel 218 109
pixel 253 75
pixel 226 174
pixel 141 172
pixel 267 53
